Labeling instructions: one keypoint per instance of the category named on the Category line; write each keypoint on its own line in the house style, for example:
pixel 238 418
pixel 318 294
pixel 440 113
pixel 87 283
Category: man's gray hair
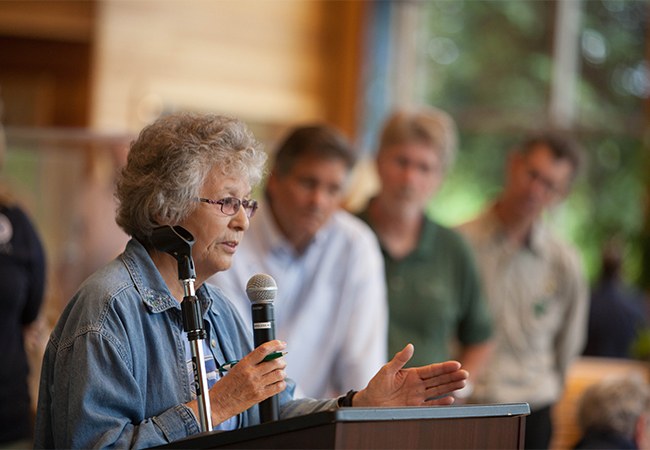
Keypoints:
pixel 169 162
pixel 614 404
pixel 424 124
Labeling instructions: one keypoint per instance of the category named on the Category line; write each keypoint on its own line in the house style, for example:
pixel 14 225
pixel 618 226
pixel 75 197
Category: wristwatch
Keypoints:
pixel 346 400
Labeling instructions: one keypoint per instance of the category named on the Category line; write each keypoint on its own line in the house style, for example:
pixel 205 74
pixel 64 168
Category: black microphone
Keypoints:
pixel 261 290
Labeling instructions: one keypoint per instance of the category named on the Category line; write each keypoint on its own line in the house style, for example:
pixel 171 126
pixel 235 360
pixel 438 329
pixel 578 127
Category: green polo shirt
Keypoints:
pixel 434 297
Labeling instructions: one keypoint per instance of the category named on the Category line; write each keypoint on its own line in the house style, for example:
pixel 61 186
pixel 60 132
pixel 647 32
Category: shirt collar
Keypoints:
pixel 268 228
pixel 495 228
pixel 425 241
pixel 427 238
pixel 273 237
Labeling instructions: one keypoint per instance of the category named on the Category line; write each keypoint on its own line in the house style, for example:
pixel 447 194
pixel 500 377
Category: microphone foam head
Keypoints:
pixel 261 288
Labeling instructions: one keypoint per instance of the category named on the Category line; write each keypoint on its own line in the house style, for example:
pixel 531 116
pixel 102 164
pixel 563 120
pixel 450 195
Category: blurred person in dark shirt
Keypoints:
pixel 617 312
pixel 22 281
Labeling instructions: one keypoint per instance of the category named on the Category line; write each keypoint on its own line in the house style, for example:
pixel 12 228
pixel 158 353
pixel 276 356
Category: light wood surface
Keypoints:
pixel 265 61
pixel 273 63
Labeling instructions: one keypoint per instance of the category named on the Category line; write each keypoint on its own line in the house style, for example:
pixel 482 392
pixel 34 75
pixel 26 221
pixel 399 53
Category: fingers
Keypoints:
pixel 274 377
pixel 400 359
pixel 255 381
pixel 275 388
pixel 444 389
pixel 257 368
pixel 249 381
pixel 258 355
pixel 443 401
pixel 434 370
pixel 459 375
pixel 272 382
pixel 272 371
pixel 444 382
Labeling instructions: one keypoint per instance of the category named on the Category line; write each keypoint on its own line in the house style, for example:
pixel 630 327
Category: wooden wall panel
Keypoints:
pixel 344 29
pixel 265 61
pixel 44 82
pixel 271 62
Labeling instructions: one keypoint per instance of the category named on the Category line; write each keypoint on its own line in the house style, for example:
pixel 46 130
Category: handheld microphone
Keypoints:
pixel 261 290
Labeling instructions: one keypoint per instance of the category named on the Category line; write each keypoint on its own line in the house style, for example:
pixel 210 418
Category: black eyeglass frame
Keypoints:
pixel 250 206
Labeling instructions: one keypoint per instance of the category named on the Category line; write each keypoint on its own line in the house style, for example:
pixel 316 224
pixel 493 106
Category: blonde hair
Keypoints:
pixel 426 124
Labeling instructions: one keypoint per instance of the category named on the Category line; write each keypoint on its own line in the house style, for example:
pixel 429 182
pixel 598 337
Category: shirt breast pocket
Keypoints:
pixel 546 309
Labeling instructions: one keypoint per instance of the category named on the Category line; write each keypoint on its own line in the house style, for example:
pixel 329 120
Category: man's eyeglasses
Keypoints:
pixel 549 186
pixel 230 205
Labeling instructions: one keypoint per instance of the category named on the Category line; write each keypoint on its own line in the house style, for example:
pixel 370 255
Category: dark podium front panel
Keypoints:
pixel 498 426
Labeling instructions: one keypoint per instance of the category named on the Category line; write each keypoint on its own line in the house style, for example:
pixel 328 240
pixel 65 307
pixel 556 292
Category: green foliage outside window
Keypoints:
pixel 489 63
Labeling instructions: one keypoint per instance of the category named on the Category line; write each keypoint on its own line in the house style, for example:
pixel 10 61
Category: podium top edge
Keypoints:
pixel 433 412
pixel 352 414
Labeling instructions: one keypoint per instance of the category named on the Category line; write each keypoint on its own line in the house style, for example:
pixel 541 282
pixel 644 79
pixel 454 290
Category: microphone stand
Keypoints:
pixel 177 241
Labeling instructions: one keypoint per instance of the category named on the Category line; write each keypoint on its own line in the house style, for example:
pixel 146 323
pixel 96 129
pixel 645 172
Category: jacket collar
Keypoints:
pixel 150 284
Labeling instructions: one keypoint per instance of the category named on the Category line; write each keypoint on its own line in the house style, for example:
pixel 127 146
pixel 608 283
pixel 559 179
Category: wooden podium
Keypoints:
pixel 497 426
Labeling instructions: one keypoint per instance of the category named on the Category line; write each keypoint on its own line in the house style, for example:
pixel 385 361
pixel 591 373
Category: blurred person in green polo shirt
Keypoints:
pixel 434 291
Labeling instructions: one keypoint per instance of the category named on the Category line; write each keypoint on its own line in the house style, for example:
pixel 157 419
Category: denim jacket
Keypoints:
pixel 114 372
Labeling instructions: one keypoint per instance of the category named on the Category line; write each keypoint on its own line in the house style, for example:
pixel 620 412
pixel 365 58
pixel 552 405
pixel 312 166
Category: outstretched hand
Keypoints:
pixel 395 386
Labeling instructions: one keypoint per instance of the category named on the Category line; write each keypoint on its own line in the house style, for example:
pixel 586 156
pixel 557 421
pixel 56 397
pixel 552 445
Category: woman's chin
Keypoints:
pixel 224 265
pixel 218 266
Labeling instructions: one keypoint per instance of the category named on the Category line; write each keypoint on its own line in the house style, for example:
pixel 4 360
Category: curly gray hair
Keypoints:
pixel 614 404
pixel 168 164
pixel 426 124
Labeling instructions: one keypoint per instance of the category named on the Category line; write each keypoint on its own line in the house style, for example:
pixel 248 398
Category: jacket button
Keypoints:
pixel 213 343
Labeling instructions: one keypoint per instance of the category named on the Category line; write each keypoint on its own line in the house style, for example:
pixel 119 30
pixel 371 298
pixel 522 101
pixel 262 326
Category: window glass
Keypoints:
pixel 490 64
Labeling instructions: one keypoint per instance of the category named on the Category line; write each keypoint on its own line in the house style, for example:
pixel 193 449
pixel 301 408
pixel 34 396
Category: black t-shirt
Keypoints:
pixel 22 280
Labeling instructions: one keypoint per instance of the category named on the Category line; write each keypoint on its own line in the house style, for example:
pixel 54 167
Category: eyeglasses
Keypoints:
pixel 230 205
pixel 549 186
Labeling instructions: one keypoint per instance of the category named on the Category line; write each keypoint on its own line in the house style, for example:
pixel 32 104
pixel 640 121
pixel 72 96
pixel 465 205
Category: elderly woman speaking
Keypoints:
pixel 117 371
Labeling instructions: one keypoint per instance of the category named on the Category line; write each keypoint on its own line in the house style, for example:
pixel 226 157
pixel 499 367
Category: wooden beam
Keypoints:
pixel 52 19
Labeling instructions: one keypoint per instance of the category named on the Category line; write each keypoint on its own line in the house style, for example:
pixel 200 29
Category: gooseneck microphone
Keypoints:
pixel 261 290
